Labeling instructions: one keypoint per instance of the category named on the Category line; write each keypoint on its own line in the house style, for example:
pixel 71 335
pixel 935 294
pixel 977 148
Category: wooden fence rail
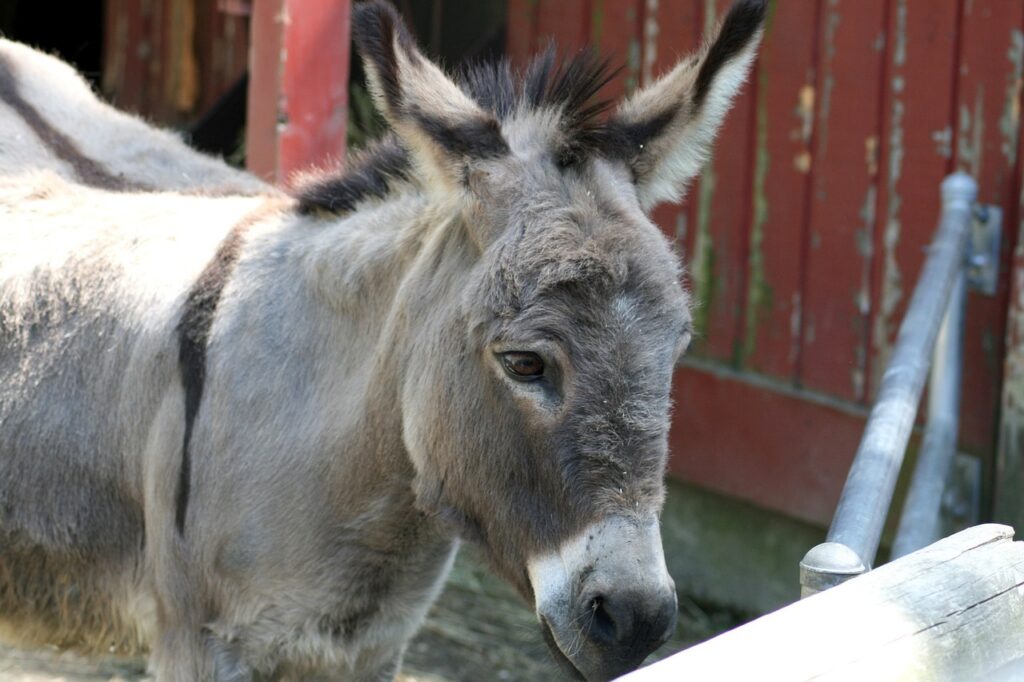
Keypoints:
pixel 951 611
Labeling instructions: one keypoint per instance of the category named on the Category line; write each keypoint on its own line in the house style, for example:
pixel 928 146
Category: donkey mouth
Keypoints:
pixel 561 659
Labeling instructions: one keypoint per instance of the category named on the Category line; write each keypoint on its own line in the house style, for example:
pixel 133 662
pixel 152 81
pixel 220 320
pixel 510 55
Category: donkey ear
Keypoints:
pixel 437 121
pixel 666 129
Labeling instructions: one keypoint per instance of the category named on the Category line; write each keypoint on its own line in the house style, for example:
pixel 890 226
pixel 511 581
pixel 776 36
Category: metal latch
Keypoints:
pixel 983 249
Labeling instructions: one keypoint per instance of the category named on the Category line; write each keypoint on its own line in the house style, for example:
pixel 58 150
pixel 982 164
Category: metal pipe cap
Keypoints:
pixel 828 565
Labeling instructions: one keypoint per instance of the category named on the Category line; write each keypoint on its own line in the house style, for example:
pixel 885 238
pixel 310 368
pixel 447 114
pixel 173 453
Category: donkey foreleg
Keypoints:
pixel 187 655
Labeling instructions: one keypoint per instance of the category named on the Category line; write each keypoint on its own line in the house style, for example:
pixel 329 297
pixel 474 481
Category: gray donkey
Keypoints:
pixel 247 432
pixel 50 118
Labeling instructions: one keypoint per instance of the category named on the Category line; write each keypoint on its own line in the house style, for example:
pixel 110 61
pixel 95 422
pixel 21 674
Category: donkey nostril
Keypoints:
pixel 602 625
pixel 628 624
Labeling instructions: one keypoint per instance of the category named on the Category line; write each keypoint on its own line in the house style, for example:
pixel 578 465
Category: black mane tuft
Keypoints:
pixel 569 85
pixel 370 174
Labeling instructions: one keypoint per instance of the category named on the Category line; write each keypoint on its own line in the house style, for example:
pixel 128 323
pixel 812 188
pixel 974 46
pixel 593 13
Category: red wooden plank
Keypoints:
pixel 170 59
pixel 674 33
pixel 1008 503
pixel 837 295
pixel 222 43
pixel 785 128
pixel 986 146
pixel 567 22
pixel 126 48
pixel 264 86
pixel 772 445
pixel 916 150
pixel 521 31
pixel 616 30
pixel 298 92
pixel 671 31
pixel 315 88
pixel 719 261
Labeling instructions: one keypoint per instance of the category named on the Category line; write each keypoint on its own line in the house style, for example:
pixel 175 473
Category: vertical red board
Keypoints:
pixel 117 28
pixel 521 40
pixel 986 146
pixel 128 54
pixel 170 60
pixel 222 43
pixel 1008 503
pixel 719 259
pixel 615 30
pixel 298 88
pixel 672 31
pixel 315 88
pixel 837 296
pixel 154 20
pixel 264 86
pixel 916 153
pixel 781 188
pixel 566 22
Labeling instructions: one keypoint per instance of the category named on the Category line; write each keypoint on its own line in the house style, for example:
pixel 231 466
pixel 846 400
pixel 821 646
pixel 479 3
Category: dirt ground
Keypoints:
pixel 479 629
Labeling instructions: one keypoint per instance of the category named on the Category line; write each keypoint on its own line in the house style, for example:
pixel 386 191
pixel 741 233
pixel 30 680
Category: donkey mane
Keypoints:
pixel 371 173
pixel 548 83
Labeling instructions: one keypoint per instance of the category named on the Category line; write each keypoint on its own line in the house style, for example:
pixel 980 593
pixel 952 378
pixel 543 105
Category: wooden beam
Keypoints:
pixel 951 611
pixel 1008 503
pixel 298 88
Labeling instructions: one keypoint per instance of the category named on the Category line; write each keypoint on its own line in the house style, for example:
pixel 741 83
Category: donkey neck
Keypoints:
pixel 373 271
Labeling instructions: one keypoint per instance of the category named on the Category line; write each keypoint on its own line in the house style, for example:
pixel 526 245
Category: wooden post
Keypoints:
pixel 1008 500
pixel 298 88
pixel 951 611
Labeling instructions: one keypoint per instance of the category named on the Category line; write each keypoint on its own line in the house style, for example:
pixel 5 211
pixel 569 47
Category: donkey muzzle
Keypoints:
pixel 604 598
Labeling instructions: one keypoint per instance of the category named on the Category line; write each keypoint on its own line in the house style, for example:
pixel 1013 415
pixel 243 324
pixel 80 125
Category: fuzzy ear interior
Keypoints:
pixel 666 130
pixel 442 127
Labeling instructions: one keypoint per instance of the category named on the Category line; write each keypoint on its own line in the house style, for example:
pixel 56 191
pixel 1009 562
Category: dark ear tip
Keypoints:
pixel 375 21
pixel 749 11
pixel 745 18
pixel 370 18
pixel 373 8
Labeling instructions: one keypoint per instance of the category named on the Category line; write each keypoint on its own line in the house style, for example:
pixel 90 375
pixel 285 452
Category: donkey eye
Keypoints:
pixel 522 366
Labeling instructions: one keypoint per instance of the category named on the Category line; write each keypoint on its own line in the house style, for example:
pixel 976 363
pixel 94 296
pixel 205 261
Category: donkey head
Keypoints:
pixel 548 317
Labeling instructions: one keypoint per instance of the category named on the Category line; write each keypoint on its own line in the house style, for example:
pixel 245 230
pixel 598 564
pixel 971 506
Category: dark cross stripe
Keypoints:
pixel 478 138
pixel 89 171
pixel 194 335
pixel 369 174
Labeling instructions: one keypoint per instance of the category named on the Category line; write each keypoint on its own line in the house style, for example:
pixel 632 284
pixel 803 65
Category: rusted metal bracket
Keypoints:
pixel 983 249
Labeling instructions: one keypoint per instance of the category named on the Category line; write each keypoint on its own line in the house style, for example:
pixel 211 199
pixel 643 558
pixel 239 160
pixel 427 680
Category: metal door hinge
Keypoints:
pixel 983 249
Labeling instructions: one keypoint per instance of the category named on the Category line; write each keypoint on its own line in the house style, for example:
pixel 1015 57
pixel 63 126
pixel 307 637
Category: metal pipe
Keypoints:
pixel 857 525
pixel 920 520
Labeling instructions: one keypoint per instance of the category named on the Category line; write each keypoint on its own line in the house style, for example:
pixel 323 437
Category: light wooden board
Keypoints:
pixel 951 611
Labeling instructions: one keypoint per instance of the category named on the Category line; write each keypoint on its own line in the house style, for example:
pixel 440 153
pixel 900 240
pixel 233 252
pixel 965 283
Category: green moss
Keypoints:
pixel 702 264
pixel 597 22
pixel 760 297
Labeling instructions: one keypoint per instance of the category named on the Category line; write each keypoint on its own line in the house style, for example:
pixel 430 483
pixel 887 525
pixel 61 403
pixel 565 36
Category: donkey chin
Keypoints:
pixel 604 598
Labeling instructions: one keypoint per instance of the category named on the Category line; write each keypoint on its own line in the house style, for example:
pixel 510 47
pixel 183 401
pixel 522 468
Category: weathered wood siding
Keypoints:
pixel 172 59
pixel 806 233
